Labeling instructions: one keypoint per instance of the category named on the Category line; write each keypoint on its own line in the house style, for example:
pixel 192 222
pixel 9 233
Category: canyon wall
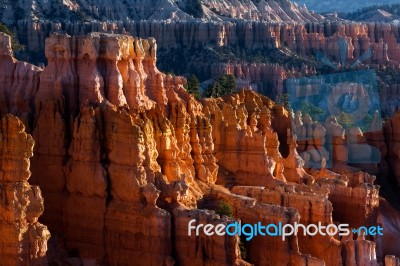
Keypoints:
pixel 211 43
pixel 83 10
pixel 262 78
pixel 303 39
pixel 125 157
pixel 24 239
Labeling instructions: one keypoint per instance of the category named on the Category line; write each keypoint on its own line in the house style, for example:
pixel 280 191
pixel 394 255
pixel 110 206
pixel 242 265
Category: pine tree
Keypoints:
pixel 228 83
pixel 224 85
pixel 193 86
pixel 345 120
pixel 15 45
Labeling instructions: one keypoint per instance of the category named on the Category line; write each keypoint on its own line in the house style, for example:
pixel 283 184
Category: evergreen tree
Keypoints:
pixel 345 120
pixel 283 99
pixel 225 85
pixel 312 110
pixel 15 45
pixel 228 83
pixel 213 90
pixel 193 86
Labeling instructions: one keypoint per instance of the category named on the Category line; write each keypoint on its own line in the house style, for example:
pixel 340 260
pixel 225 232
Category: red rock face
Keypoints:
pixel 19 81
pixel 224 251
pixel 125 157
pixel 87 184
pixel 24 239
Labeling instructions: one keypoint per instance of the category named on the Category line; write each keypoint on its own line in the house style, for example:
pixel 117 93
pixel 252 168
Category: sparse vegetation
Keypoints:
pixel 225 85
pixel 242 247
pixel 15 45
pixel 193 86
pixel 312 110
pixel 283 99
pixel 194 60
pixel 361 13
pixel 223 208
pixel 345 120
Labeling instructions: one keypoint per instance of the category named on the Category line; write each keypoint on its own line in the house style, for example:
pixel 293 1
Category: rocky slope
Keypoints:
pixel 380 13
pixel 89 10
pixel 376 15
pixel 340 5
pixel 125 157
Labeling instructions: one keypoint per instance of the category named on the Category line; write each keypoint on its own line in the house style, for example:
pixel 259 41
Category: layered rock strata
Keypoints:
pixel 278 11
pixel 312 205
pixel 23 239
pixel 125 157
pixel 303 39
pixel 223 251
pixel 20 82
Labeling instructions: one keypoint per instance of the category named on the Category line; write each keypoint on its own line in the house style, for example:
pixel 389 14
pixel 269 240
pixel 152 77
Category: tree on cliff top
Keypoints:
pixel 312 110
pixel 225 85
pixel 283 99
pixel 15 45
pixel 193 86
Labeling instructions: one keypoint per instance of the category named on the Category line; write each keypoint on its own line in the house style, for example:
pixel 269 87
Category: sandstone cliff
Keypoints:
pixel 24 239
pixel 125 157
pixel 304 39
pixel 208 48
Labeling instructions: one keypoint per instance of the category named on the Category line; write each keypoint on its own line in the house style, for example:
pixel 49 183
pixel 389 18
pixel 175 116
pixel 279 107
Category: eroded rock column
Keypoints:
pixel 23 240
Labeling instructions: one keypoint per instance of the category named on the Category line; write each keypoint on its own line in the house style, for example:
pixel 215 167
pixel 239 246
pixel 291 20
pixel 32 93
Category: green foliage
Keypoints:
pixel 193 86
pixel 242 247
pixel 225 85
pixel 366 123
pixel 15 45
pixel 194 60
pixel 312 110
pixel 283 99
pixel 345 120
pixel 5 29
pixel 224 208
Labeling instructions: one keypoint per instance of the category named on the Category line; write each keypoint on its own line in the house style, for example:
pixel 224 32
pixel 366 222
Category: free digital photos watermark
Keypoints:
pixel 278 230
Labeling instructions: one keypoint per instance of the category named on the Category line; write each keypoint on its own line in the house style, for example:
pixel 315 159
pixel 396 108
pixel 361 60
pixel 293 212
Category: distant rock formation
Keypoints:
pixel 274 11
pixel 340 5
pixel 292 46
pixel 303 39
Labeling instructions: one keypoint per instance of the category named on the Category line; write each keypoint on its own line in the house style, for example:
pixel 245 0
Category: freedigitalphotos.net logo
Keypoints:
pixel 249 231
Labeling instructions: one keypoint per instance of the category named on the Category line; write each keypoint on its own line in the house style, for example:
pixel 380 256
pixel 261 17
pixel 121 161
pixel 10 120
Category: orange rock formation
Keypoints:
pixel 23 239
pixel 125 157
